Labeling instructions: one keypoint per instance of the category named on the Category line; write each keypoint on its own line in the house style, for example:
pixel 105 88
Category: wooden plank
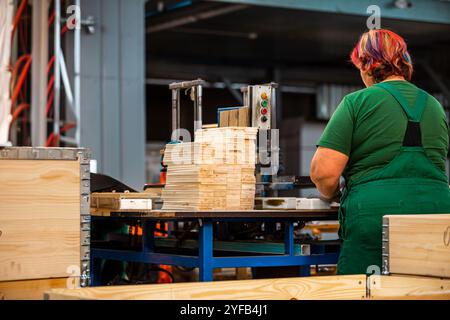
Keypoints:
pixel 30 289
pixel 306 288
pixel 209 126
pixel 39 218
pixel 408 287
pixel 121 200
pixel 224 116
pixel 419 244
pixel 233 120
pixel 244 117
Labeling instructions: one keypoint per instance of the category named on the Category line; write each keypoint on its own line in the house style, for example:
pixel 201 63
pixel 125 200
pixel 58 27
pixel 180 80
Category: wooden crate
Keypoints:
pixel 44 213
pixel 417 245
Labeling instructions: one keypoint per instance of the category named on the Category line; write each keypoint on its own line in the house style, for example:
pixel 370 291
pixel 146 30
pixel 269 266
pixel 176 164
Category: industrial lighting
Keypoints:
pixel 403 4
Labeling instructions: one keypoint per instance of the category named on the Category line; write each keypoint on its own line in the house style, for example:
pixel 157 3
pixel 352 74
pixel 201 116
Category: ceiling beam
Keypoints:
pixel 433 11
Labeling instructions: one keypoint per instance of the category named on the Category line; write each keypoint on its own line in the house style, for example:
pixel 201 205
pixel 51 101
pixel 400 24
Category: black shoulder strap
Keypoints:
pixel 413 134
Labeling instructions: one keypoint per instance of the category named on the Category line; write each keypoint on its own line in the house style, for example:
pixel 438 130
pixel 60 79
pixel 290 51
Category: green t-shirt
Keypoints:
pixel 369 126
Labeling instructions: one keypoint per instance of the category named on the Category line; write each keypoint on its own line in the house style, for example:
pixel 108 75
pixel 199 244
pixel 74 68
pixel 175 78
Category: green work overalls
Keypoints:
pixel 410 184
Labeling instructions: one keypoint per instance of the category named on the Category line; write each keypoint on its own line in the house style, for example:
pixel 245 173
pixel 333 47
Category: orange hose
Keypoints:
pixel 20 82
pixel 16 67
pixel 17 17
pixel 50 84
pixel 64 29
pixel 18 111
pixel 49 104
pixel 50 64
pixel 53 140
pixel 51 19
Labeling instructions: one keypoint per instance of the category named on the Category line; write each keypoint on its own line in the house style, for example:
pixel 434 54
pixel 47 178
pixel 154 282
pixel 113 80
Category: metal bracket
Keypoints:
pixel 34 153
pixel 85 218
pixel 385 246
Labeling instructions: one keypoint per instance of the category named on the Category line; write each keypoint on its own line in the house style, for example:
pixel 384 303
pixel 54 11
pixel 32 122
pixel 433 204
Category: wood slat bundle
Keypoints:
pixel 214 172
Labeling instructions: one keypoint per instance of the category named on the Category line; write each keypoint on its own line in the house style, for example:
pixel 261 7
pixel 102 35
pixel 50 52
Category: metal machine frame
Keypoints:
pixel 196 87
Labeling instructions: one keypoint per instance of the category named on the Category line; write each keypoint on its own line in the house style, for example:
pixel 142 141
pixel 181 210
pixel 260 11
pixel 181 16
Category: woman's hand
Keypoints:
pixel 327 166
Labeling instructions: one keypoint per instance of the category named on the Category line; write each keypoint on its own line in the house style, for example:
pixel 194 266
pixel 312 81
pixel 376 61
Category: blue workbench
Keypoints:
pixel 205 260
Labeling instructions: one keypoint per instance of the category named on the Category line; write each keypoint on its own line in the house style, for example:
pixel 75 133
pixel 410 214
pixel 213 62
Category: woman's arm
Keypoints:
pixel 327 166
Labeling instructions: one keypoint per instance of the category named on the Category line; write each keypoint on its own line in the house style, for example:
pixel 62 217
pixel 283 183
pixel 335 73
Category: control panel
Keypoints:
pixel 261 106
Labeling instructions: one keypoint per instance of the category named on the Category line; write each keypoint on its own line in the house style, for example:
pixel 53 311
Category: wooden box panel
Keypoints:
pixel 31 289
pixel 408 287
pixel 39 218
pixel 417 245
pixel 305 288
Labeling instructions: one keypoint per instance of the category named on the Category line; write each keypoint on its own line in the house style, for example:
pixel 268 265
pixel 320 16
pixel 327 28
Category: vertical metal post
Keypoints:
pixel 195 100
pixel 174 110
pixel 95 271
pixel 39 53
pixel 289 238
pixel 276 100
pixel 148 236
pixel 178 110
pixel 76 72
pixel 205 253
pixel 56 68
pixel 198 121
pixel 276 106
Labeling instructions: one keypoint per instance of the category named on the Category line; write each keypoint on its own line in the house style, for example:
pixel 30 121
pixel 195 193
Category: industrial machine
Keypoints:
pixel 261 103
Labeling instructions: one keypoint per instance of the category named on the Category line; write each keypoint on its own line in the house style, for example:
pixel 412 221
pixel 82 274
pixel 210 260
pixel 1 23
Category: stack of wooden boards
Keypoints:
pixel 215 172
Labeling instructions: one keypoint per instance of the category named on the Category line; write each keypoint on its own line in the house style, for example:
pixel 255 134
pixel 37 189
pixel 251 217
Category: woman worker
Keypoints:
pixel 390 143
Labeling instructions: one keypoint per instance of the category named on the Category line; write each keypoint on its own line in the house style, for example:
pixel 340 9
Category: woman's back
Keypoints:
pixel 369 126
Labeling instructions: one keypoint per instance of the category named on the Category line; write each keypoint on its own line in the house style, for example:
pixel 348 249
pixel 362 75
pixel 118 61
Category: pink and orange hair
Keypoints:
pixel 382 53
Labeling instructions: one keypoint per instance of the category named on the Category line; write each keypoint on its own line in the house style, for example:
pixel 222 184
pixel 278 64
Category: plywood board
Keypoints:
pixel 404 287
pixel 306 288
pixel 31 289
pixel 419 244
pixel 39 218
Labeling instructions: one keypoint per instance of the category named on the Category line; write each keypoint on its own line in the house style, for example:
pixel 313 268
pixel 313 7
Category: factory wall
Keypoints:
pixel 113 88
